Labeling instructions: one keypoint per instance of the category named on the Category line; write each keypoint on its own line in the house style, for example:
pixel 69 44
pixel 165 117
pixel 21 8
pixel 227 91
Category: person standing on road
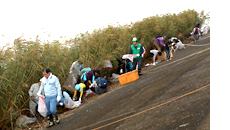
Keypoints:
pixel 34 97
pixel 51 85
pixel 137 49
pixel 167 48
pixel 196 32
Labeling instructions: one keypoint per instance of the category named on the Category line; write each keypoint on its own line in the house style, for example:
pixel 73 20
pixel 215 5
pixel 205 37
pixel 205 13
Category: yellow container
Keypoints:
pixel 128 77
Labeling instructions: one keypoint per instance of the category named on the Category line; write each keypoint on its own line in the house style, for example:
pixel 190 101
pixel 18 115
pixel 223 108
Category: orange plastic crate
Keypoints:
pixel 128 77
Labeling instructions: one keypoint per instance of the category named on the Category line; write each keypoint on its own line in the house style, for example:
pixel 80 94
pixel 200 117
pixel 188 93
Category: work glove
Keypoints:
pixel 58 98
pixel 39 94
pixel 138 55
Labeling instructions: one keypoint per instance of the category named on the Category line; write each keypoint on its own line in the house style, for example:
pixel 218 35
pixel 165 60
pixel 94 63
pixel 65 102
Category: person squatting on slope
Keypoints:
pixel 34 98
pixel 137 49
pixel 179 45
pixel 51 85
pixel 79 89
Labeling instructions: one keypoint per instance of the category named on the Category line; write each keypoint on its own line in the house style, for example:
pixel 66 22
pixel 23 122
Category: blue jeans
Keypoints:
pixel 51 104
pixel 167 54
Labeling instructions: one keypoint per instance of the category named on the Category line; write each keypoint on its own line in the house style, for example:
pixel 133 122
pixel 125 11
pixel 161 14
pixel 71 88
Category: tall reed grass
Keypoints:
pixel 21 65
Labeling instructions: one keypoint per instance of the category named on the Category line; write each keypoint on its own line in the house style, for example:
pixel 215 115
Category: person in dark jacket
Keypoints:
pixel 94 86
pixel 167 50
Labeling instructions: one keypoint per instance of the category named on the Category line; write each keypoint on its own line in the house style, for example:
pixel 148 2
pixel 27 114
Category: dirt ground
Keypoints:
pixel 163 98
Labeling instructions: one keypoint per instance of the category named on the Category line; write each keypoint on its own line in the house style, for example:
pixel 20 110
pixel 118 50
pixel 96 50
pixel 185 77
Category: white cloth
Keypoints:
pixel 108 64
pixel 129 56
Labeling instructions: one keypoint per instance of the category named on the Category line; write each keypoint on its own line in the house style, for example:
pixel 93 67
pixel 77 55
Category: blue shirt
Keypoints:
pixel 51 86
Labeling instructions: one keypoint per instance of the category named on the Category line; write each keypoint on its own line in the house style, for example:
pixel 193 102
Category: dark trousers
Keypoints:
pixel 137 62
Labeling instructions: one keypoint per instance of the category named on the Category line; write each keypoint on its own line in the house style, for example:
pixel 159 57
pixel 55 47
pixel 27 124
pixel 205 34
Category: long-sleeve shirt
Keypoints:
pixel 34 90
pixel 194 30
pixel 81 89
pixel 51 86
pixel 159 40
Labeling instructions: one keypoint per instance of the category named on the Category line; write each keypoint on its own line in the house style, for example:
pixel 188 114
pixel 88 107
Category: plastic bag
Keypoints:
pixel 70 83
pixel 69 103
pixel 108 64
pixel 42 106
pixel 129 56
pixel 25 121
pixel 115 75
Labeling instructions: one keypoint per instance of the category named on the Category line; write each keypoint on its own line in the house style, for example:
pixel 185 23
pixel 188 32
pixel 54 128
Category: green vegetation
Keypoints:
pixel 21 65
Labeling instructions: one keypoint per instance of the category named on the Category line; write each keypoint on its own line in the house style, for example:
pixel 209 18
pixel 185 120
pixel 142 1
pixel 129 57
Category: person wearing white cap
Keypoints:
pixel 34 97
pixel 51 85
pixel 137 49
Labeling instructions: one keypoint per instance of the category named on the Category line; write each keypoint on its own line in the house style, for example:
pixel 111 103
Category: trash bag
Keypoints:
pixel 115 75
pixel 129 56
pixel 76 68
pixel 70 83
pixel 108 64
pixel 69 103
pixel 24 121
pixel 42 106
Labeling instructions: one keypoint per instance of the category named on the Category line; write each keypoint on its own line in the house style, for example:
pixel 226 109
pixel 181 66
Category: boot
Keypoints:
pixel 139 73
pixel 57 118
pixel 51 122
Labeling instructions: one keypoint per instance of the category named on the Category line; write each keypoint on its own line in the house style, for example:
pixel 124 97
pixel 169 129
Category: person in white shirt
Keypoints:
pixel 179 45
pixel 51 85
pixel 196 33
pixel 154 53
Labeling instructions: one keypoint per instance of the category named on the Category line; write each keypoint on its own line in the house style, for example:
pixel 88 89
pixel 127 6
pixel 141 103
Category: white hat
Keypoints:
pixel 134 39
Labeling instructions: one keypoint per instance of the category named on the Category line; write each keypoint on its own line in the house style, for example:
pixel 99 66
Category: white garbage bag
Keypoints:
pixel 129 56
pixel 69 103
pixel 42 106
pixel 25 121
pixel 108 64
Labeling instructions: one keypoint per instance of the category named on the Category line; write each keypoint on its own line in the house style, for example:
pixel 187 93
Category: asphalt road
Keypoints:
pixel 169 96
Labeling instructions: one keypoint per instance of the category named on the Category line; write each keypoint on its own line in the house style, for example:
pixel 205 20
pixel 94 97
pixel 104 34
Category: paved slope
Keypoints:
pixel 188 71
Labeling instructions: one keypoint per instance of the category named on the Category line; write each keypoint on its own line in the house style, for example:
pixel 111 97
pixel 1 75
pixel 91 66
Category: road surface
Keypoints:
pixel 172 95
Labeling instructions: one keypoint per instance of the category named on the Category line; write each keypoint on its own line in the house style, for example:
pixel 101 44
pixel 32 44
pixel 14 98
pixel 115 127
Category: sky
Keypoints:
pixel 51 19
